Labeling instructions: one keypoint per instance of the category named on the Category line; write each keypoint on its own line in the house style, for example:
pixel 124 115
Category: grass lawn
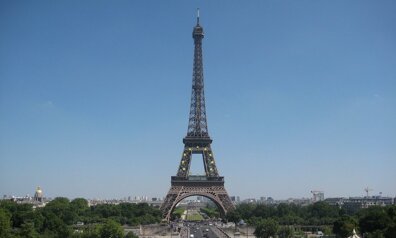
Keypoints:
pixel 194 217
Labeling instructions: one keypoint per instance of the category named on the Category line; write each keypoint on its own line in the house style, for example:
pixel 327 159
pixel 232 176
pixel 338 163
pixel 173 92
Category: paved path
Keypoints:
pixel 203 230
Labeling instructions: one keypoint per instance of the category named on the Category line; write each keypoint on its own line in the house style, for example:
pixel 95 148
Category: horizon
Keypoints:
pixel 94 97
pixel 132 196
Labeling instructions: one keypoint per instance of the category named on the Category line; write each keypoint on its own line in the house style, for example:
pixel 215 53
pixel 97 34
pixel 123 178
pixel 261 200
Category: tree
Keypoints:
pixel 286 232
pixel 90 231
pixel 375 220
pixel 375 234
pixel 177 213
pixel 210 211
pixel 22 213
pixel 344 226
pixel 5 223
pixel 131 235
pixel 321 213
pixel 60 207
pixel 79 205
pixel 28 231
pixel 391 231
pixel 111 229
pixel 254 221
pixel 233 216
pixel 55 226
pixel 283 209
pixel 267 228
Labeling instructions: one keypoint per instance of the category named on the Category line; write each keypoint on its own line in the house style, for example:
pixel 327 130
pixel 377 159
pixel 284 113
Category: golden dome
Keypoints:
pixel 39 192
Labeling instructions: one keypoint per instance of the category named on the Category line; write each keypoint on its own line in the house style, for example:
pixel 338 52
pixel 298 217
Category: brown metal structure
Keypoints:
pixel 197 141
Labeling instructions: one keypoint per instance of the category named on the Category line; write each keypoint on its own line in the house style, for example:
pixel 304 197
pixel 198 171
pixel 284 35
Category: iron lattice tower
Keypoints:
pixel 197 141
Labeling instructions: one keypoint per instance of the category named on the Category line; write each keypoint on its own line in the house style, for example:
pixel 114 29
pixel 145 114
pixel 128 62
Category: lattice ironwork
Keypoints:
pixel 197 141
pixel 176 194
pixel 207 156
pixel 197 124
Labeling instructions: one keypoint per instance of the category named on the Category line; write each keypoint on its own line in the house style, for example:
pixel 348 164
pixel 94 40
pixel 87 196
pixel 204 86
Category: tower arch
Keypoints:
pixel 207 195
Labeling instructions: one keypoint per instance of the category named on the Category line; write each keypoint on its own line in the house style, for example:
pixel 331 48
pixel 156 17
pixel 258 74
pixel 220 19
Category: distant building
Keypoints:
pixel 335 201
pixel 300 201
pixel 317 196
pixel 38 195
pixel 355 203
pixel 365 202
pixel 249 200
pixel 270 200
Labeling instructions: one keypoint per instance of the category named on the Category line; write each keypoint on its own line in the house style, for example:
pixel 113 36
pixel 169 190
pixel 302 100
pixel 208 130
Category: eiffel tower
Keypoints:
pixel 197 141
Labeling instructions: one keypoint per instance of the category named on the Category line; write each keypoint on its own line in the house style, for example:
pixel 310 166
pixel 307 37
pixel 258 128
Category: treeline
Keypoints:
pixel 60 216
pixel 319 213
pixel 375 221
pixel 210 211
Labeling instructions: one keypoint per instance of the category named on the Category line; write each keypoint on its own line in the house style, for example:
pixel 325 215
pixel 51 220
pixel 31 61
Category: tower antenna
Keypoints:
pixel 197 16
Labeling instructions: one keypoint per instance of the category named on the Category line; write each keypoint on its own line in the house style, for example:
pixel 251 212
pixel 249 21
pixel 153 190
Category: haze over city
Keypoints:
pixel 300 96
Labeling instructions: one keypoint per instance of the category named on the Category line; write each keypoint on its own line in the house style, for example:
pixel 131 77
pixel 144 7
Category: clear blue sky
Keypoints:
pixel 94 95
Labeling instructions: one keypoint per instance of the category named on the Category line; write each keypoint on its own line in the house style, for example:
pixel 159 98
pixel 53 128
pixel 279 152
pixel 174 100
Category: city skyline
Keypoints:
pixel 94 97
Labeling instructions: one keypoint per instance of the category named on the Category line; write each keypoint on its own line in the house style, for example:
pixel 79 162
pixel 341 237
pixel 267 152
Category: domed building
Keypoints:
pixel 38 195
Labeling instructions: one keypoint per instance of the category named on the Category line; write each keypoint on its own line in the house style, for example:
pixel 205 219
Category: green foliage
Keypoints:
pixel 59 216
pixel 5 223
pixel 54 224
pixel 177 213
pixel 212 212
pixel 27 231
pixel 233 216
pixel 131 235
pixel 60 207
pixel 286 232
pixel 375 234
pixel 323 210
pixel 344 226
pixel 266 228
pixel 19 212
pixel 375 221
pixel 90 231
pixel 194 217
pixel 391 231
pixel 319 213
pixel 125 213
pixel 378 221
pixel 327 230
pixel 79 206
pixel 254 221
pixel 111 229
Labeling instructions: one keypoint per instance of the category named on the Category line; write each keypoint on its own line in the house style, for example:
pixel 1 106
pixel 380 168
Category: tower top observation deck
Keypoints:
pixel 198 32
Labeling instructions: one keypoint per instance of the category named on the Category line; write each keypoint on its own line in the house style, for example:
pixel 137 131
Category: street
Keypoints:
pixel 203 230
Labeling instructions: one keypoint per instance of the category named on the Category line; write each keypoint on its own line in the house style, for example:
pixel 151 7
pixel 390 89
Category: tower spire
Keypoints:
pixel 197 16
